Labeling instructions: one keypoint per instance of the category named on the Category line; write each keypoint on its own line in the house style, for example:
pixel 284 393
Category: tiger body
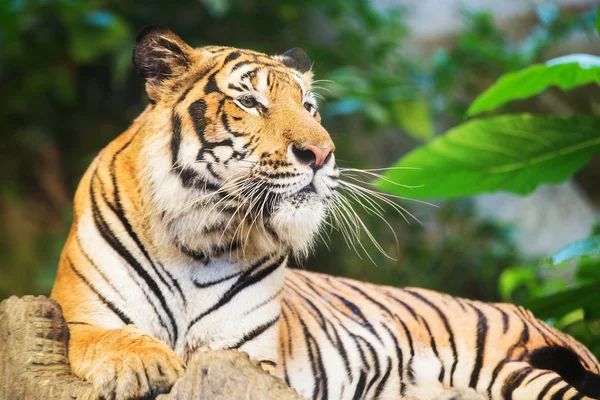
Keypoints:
pixel 183 229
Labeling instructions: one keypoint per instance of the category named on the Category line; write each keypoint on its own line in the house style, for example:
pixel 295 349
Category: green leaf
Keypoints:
pixel 565 72
pixel 515 277
pixel 513 153
pixel 561 303
pixel 598 20
pixel 414 118
pixel 585 247
pixel 376 113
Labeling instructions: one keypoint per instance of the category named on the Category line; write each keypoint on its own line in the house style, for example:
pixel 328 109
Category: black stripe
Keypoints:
pixel 175 140
pixel 289 333
pixel 143 289
pixel 199 75
pixel 514 381
pixel 211 85
pixel 400 302
pixel 549 386
pixel 446 326
pixel 197 111
pixel 189 177
pixel 327 326
pixel 411 349
pixel 120 313
pixel 129 273
pixel 109 236
pixel 339 345
pixel 505 321
pixel 254 333
pixel 236 88
pixel 320 390
pixel 230 57
pixel 240 64
pixel 434 348
pixel 522 313
pixel 400 357
pixel 314 357
pixel 120 213
pixel 228 128
pixel 523 339
pixel 251 74
pixel 278 175
pixel 98 270
pixel 203 285
pixel 560 394
pixel 482 329
pixel 356 311
pixel 245 280
pixel 360 386
pixel 266 301
pixel 369 298
pixel 384 379
pixel 269 80
pixel 376 365
pixel 184 94
pixel 175 282
pixel 533 378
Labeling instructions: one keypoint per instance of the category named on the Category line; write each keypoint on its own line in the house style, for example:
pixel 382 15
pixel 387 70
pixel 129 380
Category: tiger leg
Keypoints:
pixel 122 363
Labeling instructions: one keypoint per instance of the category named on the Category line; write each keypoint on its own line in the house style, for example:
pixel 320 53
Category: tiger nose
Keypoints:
pixel 312 155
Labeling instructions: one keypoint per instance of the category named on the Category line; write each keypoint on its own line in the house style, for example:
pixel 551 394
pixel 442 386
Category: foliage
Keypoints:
pixel 564 289
pixel 565 72
pixel 505 153
pixel 511 152
pixel 516 153
pixel 484 53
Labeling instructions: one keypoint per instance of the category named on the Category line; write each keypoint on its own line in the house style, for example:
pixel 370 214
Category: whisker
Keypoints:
pixel 379 176
pixel 381 197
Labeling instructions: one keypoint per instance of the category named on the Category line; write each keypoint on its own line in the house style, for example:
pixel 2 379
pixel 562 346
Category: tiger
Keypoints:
pixel 183 229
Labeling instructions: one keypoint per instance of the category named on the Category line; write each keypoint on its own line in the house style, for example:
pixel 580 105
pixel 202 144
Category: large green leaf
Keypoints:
pixel 513 153
pixel 565 72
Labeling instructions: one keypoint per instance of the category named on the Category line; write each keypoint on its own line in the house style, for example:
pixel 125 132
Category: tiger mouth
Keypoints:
pixel 308 189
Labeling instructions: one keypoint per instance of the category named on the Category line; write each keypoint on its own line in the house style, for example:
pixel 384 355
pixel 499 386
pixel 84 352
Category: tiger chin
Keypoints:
pixel 183 228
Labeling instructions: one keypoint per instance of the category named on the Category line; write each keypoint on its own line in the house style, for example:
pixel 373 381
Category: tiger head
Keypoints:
pixel 234 156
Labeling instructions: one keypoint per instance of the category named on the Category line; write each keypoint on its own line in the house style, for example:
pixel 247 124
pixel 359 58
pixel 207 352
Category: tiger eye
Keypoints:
pixel 248 101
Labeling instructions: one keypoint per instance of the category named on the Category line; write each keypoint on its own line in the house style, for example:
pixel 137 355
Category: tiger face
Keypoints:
pixel 244 163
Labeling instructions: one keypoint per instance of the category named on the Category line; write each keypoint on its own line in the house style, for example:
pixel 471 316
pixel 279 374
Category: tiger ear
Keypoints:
pixel 158 55
pixel 297 59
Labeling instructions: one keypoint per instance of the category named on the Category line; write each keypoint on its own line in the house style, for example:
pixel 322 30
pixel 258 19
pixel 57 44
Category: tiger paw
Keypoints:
pixel 125 364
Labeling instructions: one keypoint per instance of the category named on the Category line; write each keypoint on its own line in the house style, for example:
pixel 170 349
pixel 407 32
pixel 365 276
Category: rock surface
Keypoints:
pixel 34 363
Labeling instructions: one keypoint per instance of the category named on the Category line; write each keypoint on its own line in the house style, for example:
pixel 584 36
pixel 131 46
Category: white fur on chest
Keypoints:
pixel 228 324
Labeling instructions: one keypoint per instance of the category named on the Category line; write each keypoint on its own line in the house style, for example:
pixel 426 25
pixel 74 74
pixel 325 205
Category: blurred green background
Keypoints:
pixel 394 75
